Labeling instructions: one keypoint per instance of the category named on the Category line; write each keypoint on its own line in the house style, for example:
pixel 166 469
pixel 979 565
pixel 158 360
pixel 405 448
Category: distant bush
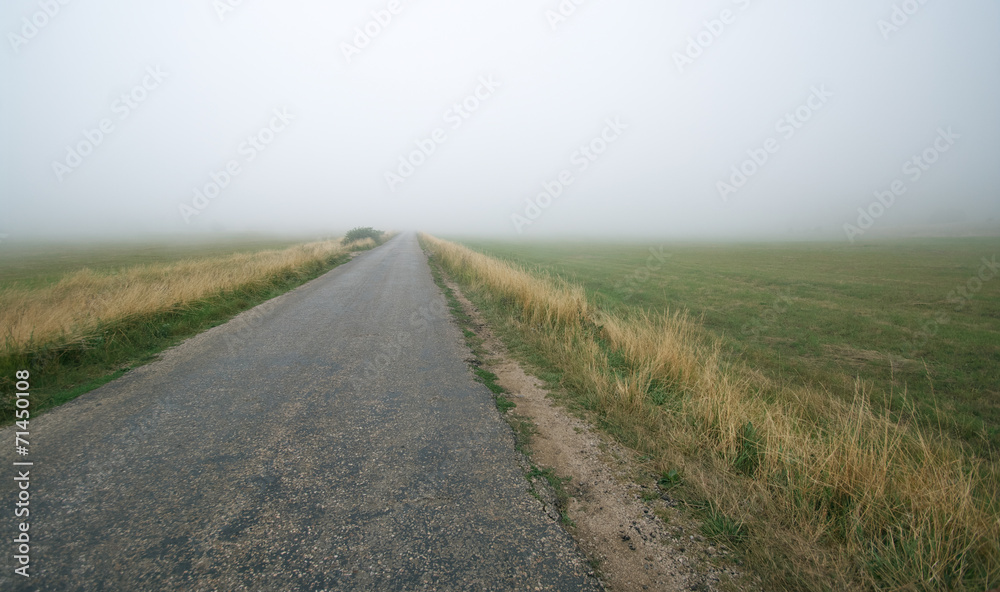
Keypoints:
pixel 361 233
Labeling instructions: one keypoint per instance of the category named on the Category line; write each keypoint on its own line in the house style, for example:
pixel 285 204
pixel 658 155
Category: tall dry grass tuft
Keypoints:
pixel 86 298
pixel 361 244
pixel 825 494
pixel 541 302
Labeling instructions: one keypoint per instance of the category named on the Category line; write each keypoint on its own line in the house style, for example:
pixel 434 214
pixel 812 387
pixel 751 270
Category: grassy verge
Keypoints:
pixel 817 492
pixel 523 427
pixel 115 319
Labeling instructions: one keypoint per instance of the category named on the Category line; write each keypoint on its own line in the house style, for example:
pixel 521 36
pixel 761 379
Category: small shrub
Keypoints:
pixel 748 457
pixel 669 479
pixel 718 526
pixel 361 233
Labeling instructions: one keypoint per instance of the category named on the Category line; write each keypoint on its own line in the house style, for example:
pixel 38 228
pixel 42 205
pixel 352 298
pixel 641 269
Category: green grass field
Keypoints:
pixel 756 410
pixel 910 319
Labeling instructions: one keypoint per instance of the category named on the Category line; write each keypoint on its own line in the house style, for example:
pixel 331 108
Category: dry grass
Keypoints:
pixel 361 245
pixel 84 299
pixel 830 496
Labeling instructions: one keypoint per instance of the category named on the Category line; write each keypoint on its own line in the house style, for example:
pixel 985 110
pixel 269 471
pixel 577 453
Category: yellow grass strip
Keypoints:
pixel 86 298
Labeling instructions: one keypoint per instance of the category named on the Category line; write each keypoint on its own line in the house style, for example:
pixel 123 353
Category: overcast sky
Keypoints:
pixel 512 118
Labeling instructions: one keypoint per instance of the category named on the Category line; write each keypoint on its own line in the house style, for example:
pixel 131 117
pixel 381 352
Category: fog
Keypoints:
pixel 589 118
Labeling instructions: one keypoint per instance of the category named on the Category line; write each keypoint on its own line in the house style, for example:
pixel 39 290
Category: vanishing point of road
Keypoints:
pixel 330 439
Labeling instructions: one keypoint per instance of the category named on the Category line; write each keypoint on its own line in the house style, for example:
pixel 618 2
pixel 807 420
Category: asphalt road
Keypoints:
pixel 331 439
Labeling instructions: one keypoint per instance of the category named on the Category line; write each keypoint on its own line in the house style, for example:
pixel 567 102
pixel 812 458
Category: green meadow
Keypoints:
pixel 915 324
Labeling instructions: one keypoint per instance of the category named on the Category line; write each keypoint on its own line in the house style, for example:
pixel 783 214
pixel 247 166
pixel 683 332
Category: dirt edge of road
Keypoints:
pixel 634 535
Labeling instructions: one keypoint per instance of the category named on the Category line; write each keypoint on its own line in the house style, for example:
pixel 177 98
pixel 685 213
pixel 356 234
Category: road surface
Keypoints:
pixel 331 439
